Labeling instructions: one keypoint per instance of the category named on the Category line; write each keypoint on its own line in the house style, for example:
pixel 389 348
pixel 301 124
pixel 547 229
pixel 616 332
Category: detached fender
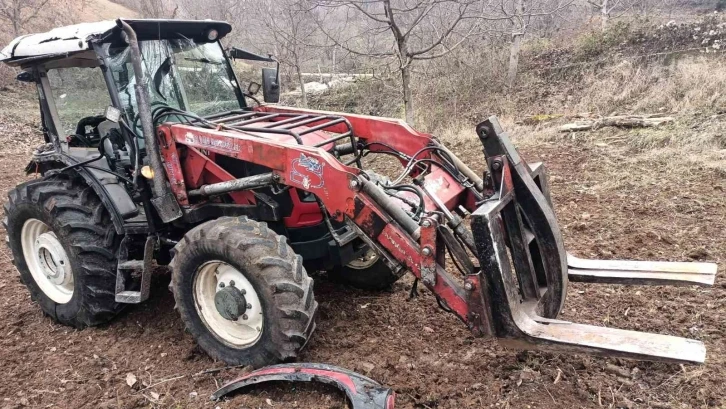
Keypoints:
pixel 363 392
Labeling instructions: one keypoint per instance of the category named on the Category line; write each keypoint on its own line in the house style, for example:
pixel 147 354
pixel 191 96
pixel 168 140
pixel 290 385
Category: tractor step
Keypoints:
pixel 126 267
pixel 640 272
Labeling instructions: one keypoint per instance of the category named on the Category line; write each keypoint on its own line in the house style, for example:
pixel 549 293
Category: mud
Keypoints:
pixel 609 204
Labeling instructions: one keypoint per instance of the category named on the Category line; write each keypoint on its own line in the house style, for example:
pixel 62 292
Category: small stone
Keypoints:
pixel 367 366
pixel 429 330
pixel 193 395
pixel 130 380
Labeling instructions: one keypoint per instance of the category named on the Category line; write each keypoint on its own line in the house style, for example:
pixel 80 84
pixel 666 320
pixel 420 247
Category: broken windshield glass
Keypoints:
pixel 182 74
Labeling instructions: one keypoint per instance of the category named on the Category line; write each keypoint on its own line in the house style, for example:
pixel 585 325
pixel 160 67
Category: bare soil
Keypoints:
pixel 611 203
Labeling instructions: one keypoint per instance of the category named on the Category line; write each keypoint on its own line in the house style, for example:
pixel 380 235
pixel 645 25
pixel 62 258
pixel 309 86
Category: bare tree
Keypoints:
pixel 522 14
pixel 18 13
pixel 520 26
pixel 605 7
pixel 416 30
pixel 290 27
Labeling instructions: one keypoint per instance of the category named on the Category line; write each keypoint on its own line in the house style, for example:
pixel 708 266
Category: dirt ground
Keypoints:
pixel 611 203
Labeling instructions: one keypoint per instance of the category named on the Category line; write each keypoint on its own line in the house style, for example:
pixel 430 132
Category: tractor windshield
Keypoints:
pixel 182 74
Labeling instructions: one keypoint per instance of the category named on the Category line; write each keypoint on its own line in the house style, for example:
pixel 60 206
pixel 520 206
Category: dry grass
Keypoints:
pixel 691 88
pixel 688 85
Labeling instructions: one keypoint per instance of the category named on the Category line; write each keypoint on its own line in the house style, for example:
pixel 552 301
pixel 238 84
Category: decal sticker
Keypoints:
pixel 434 185
pixel 307 171
pixel 221 143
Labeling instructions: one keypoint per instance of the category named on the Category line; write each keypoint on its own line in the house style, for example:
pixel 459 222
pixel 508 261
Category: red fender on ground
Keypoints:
pixel 363 392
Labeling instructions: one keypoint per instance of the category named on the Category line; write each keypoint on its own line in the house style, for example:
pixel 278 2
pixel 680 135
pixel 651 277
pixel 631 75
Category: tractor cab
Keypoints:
pixel 81 70
pixel 91 113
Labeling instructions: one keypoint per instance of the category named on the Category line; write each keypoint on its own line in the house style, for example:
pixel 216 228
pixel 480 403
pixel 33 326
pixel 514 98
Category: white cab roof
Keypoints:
pixel 62 40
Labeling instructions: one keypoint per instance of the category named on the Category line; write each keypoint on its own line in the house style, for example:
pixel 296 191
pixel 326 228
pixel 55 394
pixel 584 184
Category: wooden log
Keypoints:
pixel 620 121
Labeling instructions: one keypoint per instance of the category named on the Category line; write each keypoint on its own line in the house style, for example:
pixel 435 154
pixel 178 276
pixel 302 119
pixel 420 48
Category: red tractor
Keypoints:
pixel 154 151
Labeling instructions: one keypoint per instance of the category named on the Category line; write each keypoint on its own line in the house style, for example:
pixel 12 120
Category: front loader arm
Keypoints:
pixel 342 189
pixel 518 288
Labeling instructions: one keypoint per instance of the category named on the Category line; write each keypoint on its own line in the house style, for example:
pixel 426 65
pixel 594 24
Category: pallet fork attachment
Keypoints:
pixel 525 269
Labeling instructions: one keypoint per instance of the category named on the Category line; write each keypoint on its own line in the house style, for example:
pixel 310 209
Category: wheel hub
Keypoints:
pixel 52 259
pixel 47 261
pixel 366 260
pixel 230 303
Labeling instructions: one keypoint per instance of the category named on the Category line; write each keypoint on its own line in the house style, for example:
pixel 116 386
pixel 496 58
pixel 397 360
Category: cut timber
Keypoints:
pixel 622 121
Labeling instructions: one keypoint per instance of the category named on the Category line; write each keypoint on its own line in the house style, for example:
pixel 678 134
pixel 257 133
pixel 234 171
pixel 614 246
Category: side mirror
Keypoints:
pixel 270 85
pixel 25 76
pixel 253 88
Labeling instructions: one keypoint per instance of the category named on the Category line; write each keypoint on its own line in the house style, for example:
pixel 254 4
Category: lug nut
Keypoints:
pixel 221 285
pixel 243 291
pixel 496 165
pixel 244 317
pixel 249 306
pixel 426 251
pixel 468 286
pixel 426 223
pixel 353 184
pixel 231 282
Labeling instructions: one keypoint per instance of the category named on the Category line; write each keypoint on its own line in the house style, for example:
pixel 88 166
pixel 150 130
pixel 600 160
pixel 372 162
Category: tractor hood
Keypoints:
pixel 79 37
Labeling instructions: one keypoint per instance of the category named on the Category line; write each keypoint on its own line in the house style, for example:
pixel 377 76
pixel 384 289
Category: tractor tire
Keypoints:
pixel 64 245
pixel 242 292
pixel 369 273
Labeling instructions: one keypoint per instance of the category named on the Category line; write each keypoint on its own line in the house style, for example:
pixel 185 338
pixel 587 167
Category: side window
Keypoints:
pixel 80 96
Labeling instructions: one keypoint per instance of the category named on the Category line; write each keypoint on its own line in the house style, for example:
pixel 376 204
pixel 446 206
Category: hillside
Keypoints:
pixel 94 10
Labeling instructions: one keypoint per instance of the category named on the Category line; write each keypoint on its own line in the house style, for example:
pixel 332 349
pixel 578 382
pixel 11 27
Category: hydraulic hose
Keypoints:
pixel 398 214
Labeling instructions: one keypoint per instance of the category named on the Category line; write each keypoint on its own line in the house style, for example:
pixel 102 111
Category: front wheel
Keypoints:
pixel 368 272
pixel 242 292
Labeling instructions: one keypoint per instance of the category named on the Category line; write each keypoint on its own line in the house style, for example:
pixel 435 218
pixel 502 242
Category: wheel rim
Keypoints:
pixel 213 277
pixel 365 261
pixel 47 261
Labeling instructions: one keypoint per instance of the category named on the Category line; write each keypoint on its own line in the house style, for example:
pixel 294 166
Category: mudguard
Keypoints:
pixel 114 197
pixel 363 392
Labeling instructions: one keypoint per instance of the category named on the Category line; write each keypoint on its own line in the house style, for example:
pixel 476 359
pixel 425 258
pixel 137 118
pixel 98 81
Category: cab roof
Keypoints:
pixel 67 40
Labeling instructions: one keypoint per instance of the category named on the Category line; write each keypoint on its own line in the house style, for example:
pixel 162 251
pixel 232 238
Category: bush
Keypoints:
pixel 596 43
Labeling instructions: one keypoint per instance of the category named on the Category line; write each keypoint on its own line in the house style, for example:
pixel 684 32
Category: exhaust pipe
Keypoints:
pixel 163 200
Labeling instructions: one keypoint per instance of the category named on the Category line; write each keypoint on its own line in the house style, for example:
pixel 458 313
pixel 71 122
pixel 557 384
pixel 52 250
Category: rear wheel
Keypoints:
pixel 63 244
pixel 242 292
pixel 367 272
